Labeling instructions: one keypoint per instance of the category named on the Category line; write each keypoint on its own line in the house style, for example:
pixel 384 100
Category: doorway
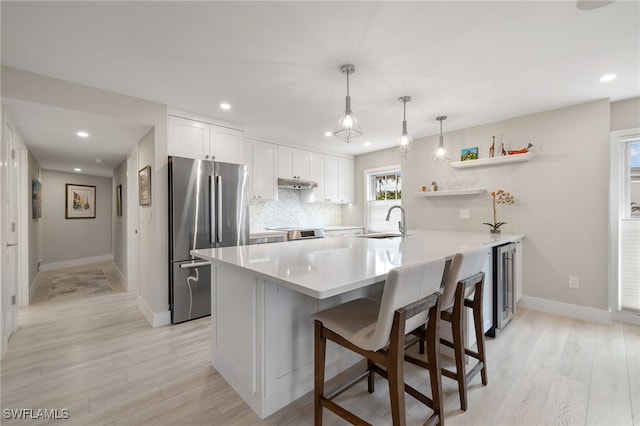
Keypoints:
pixel 12 229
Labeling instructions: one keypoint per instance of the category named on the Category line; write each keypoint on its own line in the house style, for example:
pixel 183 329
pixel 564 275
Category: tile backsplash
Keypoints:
pixel 289 210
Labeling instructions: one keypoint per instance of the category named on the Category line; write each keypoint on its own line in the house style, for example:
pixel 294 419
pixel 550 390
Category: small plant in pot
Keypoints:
pixel 499 197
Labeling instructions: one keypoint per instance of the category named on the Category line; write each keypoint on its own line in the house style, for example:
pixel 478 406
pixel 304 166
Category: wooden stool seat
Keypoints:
pixel 377 331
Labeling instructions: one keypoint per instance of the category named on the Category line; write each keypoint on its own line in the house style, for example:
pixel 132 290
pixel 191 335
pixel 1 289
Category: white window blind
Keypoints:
pixel 630 264
pixel 377 214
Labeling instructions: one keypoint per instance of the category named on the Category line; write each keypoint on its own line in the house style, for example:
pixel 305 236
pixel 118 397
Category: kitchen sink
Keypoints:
pixel 380 235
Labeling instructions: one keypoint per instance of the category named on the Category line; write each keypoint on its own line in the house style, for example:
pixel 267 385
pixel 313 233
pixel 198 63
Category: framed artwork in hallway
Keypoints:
pixel 144 186
pixel 80 201
pixel 36 199
pixel 119 200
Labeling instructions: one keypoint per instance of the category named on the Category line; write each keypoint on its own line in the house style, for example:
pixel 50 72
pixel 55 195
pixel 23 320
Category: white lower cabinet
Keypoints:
pixel 343 232
pixel 262 339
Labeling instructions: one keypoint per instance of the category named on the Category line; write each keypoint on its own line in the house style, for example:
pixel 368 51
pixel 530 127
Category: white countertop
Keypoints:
pixel 325 267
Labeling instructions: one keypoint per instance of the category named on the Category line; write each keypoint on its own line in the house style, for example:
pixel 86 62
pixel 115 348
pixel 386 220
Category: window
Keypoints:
pixel 384 189
pixel 624 246
pixel 630 230
pixel 386 186
pixel 633 161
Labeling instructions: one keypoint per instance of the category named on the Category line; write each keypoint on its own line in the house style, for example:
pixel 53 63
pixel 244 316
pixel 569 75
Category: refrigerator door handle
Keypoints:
pixel 212 213
pixel 219 208
pixel 194 264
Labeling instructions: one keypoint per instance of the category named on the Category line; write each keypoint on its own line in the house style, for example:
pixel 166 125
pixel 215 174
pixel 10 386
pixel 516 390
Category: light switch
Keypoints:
pixel 465 214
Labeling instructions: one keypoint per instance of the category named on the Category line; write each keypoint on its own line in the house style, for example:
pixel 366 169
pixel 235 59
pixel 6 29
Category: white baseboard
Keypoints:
pixel 628 317
pixel 121 276
pixel 76 262
pixel 566 309
pixel 33 286
pixel 155 319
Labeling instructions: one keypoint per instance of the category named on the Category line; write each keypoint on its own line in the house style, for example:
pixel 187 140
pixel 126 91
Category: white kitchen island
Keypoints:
pixel 263 297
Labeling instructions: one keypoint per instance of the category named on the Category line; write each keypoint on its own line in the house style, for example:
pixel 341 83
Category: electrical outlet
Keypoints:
pixel 574 282
pixel 465 214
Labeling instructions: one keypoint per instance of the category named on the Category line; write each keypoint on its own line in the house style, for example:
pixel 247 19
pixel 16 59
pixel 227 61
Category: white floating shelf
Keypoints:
pixel 492 161
pixel 452 192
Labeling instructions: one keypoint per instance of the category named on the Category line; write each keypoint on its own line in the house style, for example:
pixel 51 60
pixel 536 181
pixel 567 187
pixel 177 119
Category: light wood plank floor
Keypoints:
pixel 99 358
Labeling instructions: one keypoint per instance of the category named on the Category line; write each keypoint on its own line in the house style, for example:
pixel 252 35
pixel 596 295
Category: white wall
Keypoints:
pixel 35 225
pixel 625 114
pixel 562 195
pixel 67 240
pixel 30 87
pixel 120 222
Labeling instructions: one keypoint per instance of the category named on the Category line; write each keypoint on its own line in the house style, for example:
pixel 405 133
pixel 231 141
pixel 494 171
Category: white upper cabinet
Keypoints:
pixel 226 144
pixel 334 176
pixel 188 138
pixel 261 159
pixel 293 163
pixel 200 140
pixel 346 178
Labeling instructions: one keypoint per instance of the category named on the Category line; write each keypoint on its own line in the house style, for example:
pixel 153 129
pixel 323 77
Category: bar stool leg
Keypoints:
pixel 371 385
pixel 395 372
pixel 478 321
pixel 319 361
pixel 433 355
pixel 458 348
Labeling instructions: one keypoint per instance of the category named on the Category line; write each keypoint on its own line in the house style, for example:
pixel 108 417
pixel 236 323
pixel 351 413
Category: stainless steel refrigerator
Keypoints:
pixel 208 207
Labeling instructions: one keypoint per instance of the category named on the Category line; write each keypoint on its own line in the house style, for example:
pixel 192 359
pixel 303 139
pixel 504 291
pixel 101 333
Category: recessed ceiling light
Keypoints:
pixel 99 160
pixel 608 77
pixel 83 134
pixel 225 106
pixel 367 143
pixel 327 134
pixel 77 169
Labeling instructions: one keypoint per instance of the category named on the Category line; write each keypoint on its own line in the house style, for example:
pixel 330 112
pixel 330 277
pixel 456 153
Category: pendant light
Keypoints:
pixel 439 154
pixel 405 142
pixel 348 128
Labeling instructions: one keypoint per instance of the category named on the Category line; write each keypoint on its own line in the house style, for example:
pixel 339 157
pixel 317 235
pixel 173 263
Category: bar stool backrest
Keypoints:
pixel 461 267
pixel 405 285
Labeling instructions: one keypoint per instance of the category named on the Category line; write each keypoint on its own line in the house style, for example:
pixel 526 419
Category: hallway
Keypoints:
pixel 45 279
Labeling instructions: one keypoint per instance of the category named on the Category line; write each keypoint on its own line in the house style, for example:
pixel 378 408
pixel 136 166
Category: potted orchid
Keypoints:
pixel 499 197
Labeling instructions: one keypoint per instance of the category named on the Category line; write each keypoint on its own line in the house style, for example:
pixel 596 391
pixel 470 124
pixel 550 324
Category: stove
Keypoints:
pixel 300 233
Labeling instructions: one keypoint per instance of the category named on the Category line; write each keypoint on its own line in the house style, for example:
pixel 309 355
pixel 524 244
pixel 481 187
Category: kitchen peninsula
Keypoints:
pixel 263 297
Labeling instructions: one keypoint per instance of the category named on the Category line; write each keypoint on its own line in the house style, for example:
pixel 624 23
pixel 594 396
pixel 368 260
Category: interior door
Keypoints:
pixel 9 275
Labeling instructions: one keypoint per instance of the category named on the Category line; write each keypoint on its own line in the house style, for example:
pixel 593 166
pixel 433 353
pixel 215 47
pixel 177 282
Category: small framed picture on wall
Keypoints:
pixel 80 201
pixel 36 199
pixel 119 200
pixel 144 186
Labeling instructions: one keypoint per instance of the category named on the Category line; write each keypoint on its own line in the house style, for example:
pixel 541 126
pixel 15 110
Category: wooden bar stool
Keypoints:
pixel 463 287
pixel 376 331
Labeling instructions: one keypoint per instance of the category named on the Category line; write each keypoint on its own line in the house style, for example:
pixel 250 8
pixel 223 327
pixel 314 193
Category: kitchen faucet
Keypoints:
pixel 402 225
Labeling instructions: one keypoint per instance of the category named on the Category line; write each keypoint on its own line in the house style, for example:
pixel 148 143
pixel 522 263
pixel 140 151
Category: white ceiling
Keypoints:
pixel 277 64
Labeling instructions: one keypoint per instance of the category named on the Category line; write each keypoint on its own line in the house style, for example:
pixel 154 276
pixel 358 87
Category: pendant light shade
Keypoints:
pixel 439 156
pixel 405 142
pixel 348 128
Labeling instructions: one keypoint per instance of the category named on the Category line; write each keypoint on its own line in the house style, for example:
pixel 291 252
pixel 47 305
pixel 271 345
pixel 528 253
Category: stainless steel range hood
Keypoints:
pixel 296 183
